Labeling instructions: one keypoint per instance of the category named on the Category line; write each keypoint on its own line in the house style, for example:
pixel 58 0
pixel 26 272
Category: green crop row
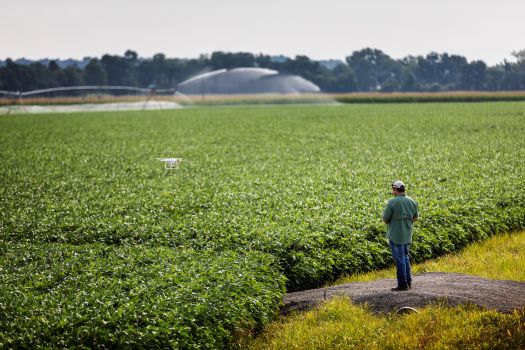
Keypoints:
pixel 454 96
pixel 66 296
pixel 261 193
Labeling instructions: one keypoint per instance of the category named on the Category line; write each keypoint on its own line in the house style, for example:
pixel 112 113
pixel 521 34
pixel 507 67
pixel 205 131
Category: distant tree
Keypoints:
pixel 427 69
pixel 513 76
pixel 408 81
pixel 25 78
pixel 94 73
pixel 161 72
pixel 195 66
pixel 372 68
pixel 44 77
pixel 300 65
pixel 473 76
pixel 119 70
pixel 220 60
pixel 344 80
pixel 520 56
pixel 265 61
pixel 408 77
pixel 433 87
pixel 12 76
pixel 494 77
pixel 309 69
pixel 159 57
pixel 159 68
pixel 441 69
pixel 513 81
pixel 57 75
pixel 451 70
pixel 53 66
pixel 145 73
pixel 390 85
pixel 131 55
pixel 3 78
pixel 73 76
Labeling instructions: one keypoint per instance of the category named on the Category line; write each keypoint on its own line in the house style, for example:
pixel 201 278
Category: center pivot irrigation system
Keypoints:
pixel 75 91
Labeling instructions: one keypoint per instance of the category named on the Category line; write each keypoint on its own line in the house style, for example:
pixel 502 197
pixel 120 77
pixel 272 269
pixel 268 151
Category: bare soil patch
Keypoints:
pixel 428 288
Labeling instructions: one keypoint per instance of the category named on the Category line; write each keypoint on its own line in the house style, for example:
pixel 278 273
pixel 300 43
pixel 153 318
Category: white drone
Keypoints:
pixel 170 163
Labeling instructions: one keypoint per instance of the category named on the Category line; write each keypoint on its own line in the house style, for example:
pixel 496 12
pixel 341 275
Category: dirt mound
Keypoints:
pixel 450 288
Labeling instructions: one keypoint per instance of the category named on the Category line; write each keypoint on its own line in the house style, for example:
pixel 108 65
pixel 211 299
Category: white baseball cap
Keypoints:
pixel 398 184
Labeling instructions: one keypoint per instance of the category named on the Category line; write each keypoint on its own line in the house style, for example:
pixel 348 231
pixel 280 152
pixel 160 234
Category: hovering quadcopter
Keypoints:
pixel 170 163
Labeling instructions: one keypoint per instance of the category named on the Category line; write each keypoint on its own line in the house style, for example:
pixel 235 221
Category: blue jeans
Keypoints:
pixel 400 254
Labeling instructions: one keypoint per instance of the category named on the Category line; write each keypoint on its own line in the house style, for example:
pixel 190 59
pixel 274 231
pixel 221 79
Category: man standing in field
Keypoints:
pixel 400 214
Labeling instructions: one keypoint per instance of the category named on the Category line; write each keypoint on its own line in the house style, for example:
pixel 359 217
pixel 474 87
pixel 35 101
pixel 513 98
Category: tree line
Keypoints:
pixel 366 70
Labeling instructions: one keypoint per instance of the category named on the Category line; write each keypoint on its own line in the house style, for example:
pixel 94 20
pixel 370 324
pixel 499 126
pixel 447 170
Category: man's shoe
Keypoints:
pixel 409 285
pixel 400 288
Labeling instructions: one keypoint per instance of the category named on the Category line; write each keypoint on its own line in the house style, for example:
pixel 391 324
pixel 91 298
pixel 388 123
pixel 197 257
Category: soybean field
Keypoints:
pixel 100 246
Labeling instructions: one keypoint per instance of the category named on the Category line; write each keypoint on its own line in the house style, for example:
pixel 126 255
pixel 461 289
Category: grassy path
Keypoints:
pixel 339 323
pixel 500 257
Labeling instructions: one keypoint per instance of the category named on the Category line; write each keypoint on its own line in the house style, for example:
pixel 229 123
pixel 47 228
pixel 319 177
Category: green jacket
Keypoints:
pixel 400 213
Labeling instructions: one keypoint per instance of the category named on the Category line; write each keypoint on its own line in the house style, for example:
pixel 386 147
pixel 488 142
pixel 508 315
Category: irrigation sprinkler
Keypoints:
pixel 149 92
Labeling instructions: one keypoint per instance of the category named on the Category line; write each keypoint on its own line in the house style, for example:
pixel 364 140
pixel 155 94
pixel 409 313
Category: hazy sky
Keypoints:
pixel 476 29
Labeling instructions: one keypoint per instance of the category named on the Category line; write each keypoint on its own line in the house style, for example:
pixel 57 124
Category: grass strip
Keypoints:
pixel 339 323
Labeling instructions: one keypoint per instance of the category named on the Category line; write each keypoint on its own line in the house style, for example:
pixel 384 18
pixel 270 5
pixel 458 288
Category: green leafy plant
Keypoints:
pixel 265 197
